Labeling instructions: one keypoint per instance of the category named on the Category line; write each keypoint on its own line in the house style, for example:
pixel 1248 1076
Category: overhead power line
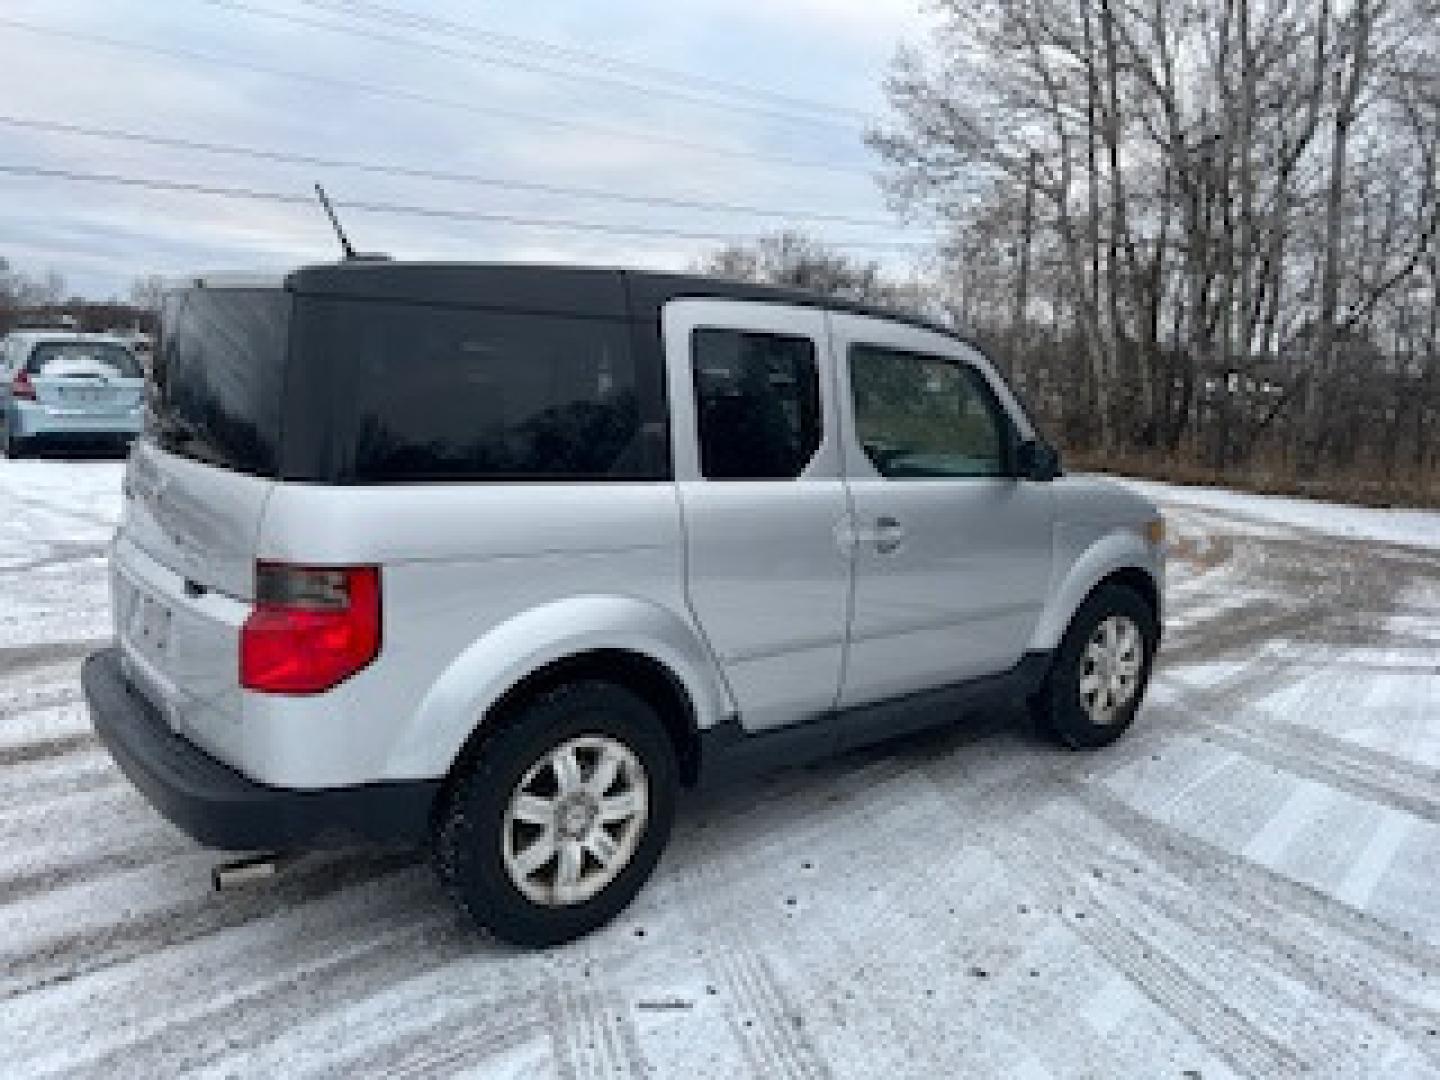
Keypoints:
pixel 415 97
pixel 490 58
pixel 410 210
pixel 472 179
pixel 513 43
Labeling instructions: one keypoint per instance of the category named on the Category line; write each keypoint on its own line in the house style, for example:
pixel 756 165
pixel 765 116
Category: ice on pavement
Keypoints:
pixel 1413 528
pixel 1244 886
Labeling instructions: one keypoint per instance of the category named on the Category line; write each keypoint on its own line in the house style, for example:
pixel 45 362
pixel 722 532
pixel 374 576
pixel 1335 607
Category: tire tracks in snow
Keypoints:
pixel 1362 587
pixel 1233 630
pixel 591 1033
pixel 1150 964
pixel 201 1038
pixel 1320 941
pixel 62 555
pixel 108 861
pixel 107 522
pixel 322 972
pixel 1388 781
pixel 15 659
pixel 471 1037
pixel 57 696
pixel 1367 773
pixel 42 749
pixel 87 770
pixel 71 955
pixel 765 1021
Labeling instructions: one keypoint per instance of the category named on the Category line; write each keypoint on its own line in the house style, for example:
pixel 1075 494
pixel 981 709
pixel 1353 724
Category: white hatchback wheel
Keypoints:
pixel 574 820
pixel 1110 669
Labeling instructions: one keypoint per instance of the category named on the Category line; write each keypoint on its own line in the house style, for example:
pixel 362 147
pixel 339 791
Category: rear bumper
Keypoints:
pixel 219 807
pixel 32 420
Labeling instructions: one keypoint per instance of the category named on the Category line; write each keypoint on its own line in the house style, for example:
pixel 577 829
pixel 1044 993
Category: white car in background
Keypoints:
pixel 58 386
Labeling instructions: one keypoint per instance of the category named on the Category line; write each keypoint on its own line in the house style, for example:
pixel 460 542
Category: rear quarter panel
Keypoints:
pixel 481 584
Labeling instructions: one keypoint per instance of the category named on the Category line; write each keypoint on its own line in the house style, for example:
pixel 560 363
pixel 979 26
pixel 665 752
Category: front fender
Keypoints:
pixel 1084 556
pixel 465 692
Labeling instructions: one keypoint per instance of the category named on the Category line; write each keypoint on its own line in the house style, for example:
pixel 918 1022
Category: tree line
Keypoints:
pixel 1199 235
pixel 45 297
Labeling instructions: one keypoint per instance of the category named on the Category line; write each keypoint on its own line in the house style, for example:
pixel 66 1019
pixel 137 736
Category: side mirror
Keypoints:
pixel 1036 460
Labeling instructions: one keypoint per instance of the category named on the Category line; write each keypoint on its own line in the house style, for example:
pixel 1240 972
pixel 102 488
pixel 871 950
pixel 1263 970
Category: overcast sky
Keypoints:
pixel 412 101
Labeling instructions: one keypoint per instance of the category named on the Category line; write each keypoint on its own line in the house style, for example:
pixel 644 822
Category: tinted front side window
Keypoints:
pixel 757 404
pixel 220 377
pixel 442 393
pixel 920 417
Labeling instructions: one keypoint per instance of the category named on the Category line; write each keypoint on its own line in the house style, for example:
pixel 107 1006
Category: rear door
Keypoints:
pixel 757 466
pixel 196 488
pixel 953 555
pixel 85 378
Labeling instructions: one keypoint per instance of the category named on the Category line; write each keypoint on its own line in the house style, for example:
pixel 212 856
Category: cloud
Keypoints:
pixel 417 107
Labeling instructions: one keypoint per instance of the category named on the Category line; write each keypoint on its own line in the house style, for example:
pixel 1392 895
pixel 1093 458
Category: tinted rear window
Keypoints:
pixel 423 392
pixel 219 375
pixel 61 358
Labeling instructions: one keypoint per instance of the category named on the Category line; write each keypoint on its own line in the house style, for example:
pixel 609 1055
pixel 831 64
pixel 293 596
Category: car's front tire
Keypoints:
pixel 557 818
pixel 1100 671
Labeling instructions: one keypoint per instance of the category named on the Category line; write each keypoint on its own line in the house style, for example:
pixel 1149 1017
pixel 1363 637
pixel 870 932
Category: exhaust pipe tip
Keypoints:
pixel 243 871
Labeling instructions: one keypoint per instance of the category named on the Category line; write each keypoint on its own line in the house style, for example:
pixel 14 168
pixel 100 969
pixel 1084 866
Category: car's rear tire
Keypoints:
pixel 1099 674
pixel 556 819
pixel 12 446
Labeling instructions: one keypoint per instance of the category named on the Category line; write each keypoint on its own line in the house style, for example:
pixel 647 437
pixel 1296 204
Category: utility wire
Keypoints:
pixel 399 94
pixel 404 209
pixel 513 43
pixel 315 161
pixel 489 58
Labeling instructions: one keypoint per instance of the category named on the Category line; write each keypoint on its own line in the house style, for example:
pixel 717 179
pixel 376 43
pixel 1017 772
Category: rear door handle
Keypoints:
pixel 889 535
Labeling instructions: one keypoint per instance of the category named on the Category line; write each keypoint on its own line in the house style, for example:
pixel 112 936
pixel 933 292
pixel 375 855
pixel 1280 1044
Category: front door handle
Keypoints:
pixel 889 535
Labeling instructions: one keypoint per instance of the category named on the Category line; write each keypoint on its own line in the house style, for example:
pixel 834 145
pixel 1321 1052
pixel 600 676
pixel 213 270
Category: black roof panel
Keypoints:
pixel 551 290
pixel 562 290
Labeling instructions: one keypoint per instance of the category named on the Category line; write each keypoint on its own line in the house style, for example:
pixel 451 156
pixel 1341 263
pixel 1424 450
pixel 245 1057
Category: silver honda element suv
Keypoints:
pixel 496 559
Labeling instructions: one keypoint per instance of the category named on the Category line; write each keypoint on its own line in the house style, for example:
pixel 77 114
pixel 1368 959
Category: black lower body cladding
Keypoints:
pixel 220 808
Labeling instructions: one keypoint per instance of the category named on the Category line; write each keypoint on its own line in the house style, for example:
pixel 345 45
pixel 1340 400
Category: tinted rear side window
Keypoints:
pixel 61 358
pixel 757 402
pixel 220 377
pixel 443 393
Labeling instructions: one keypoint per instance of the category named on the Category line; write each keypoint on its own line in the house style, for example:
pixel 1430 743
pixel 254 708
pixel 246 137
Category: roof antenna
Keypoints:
pixel 345 245
pixel 351 255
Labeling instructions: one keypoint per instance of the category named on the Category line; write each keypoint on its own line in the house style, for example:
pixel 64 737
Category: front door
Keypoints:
pixel 953 557
pixel 757 466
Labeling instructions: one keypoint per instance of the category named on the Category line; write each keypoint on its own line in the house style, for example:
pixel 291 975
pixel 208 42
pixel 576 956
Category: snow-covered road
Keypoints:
pixel 1247 885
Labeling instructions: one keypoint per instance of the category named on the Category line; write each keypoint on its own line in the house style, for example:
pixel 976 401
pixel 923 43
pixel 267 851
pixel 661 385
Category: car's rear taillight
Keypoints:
pixel 312 628
pixel 21 387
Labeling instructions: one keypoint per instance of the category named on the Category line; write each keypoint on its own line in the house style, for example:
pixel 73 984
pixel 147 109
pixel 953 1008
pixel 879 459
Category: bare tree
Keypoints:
pixel 1222 212
pixel 148 293
pixel 799 261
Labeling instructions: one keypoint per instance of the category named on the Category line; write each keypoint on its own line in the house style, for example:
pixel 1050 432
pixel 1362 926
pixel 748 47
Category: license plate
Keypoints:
pixel 150 623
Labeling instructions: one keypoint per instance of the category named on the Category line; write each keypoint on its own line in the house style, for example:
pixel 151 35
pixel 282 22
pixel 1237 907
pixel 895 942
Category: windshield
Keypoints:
pixel 57 359
pixel 219 377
